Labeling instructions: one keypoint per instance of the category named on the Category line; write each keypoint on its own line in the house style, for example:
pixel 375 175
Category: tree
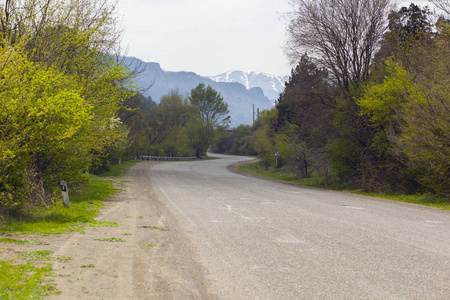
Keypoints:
pixel 409 39
pixel 45 125
pixel 72 87
pixel 442 4
pixel 341 35
pixel 167 122
pixel 239 141
pixel 305 113
pixel 385 167
pixel 212 114
pixel 212 109
pixel 425 138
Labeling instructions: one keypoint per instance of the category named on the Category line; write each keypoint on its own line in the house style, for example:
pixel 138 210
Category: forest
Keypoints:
pixel 367 103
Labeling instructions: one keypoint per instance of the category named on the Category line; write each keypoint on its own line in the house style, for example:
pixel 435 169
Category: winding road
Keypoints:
pixel 258 239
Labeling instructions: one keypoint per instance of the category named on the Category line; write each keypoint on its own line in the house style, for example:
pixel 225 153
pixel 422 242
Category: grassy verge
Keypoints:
pixel 27 281
pixel 24 281
pixel 318 182
pixel 85 204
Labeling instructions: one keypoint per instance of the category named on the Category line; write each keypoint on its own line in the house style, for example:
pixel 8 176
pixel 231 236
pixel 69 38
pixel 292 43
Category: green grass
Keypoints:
pixel 24 281
pixel 36 255
pixel 318 182
pixel 88 266
pixel 156 227
pixel 118 170
pixel 85 204
pixel 114 240
pixel 57 219
pixel 149 245
pixel 64 258
pixel 282 174
pixel 425 200
pixel 101 224
pixel 20 242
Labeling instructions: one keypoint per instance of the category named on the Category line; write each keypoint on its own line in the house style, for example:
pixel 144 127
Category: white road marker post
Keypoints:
pixel 276 154
pixel 65 193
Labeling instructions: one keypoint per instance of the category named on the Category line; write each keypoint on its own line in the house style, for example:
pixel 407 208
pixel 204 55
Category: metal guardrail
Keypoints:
pixel 167 158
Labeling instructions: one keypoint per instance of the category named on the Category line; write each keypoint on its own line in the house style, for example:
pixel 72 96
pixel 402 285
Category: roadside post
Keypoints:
pixel 276 155
pixel 65 193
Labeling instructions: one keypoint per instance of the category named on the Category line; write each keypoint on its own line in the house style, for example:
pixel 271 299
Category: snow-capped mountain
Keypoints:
pixel 271 85
pixel 153 81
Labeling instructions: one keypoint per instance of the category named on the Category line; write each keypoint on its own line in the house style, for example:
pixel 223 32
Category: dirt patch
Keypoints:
pixel 147 257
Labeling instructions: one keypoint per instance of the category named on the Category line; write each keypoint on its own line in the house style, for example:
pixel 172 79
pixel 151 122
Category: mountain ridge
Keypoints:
pixel 271 85
pixel 155 82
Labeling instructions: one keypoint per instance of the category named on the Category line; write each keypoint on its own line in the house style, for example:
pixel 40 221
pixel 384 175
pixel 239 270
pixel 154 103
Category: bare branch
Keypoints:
pixel 341 35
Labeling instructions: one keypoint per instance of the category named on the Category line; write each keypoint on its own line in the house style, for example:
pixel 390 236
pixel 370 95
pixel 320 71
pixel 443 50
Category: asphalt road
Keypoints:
pixel 258 239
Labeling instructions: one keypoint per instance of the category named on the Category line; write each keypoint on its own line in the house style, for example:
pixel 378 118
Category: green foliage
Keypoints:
pixel 114 240
pixel 157 227
pixel 64 258
pixel 20 242
pixel 410 118
pixel 36 255
pixel 382 102
pixel 158 129
pixel 265 136
pixel 239 141
pixel 24 281
pixel 425 134
pixel 39 100
pixel 285 174
pixel 62 89
pixel 320 182
pixel 384 129
pixel 212 114
pixel 211 107
pixel 85 204
pixel 305 117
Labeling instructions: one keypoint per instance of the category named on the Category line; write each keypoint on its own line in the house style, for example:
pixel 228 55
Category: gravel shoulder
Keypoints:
pixel 156 260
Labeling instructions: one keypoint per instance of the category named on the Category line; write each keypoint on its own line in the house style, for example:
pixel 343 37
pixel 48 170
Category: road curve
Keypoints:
pixel 259 239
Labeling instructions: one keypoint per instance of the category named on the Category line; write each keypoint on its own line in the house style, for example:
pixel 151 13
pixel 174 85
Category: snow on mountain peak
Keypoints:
pixel 271 85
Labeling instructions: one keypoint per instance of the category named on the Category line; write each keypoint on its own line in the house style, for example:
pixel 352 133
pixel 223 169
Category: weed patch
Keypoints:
pixel 24 281
pixel 114 240
pixel 156 227
pixel 102 224
pixel 20 242
pixel 118 170
pixel 36 255
pixel 64 258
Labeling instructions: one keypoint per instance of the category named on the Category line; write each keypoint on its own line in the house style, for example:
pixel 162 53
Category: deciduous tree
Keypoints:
pixel 212 114
pixel 341 35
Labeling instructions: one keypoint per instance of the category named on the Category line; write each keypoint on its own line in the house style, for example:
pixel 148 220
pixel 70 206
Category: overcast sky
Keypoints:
pixel 208 37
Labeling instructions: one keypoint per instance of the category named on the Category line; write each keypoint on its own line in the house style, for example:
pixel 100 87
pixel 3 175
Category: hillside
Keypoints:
pixel 153 81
